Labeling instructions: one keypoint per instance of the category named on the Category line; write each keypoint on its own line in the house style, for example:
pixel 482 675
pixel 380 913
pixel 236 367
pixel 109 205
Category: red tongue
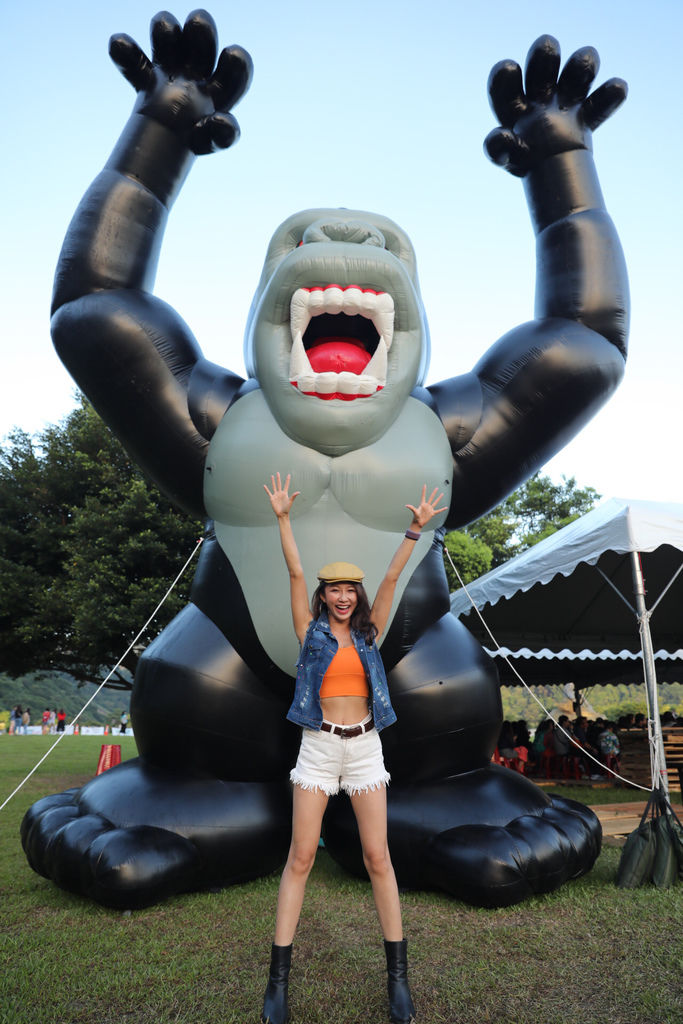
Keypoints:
pixel 337 355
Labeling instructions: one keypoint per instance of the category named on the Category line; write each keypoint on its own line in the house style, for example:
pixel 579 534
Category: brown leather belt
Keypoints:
pixel 347 732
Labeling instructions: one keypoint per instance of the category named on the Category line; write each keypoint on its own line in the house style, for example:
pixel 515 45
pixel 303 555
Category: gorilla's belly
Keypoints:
pixel 351 507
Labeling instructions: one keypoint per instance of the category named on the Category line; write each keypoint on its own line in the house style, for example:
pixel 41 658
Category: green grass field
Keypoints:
pixel 588 954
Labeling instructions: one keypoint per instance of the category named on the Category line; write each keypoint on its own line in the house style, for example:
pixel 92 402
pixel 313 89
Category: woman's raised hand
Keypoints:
pixel 280 498
pixel 426 510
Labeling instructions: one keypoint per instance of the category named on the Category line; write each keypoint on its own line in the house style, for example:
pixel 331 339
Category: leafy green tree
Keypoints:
pixel 471 556
pixel 88 547
pixel 540 507
pixel 535 510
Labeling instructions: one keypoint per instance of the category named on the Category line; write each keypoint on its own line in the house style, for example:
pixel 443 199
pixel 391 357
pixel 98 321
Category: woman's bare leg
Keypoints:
pixel 371 815
pixel 307 816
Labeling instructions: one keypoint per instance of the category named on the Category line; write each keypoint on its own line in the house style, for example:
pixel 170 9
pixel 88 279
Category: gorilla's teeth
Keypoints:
pixel 349 383
pixel 299 316
pixel 326 383
pixel 334 300
pixel 344 383
pixel 299 364
pixel 377 367
pixel 351 300
pixel 383 318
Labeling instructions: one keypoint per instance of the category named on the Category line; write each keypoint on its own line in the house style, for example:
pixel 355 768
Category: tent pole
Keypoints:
pixel 659 774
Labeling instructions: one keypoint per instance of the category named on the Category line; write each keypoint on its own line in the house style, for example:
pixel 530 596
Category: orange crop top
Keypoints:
pixel 345 677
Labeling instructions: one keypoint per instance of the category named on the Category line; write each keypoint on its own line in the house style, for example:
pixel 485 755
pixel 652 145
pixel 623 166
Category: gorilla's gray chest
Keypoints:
pixel 351 507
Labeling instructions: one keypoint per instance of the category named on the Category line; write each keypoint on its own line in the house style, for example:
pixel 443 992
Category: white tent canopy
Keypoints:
pixel 560 594
pixel 608 583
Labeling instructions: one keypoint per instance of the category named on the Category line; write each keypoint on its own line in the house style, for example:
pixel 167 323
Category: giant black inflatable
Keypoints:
pixel 336 353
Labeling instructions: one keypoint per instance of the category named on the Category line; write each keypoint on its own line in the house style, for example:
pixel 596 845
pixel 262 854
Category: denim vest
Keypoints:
pixel 319 648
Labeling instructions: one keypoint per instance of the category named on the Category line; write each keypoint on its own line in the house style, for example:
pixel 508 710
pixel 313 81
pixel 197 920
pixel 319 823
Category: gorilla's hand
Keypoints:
pixel 545 115
pixel 179 87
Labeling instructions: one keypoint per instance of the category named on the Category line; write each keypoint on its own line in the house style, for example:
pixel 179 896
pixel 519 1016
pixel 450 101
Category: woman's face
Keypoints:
pixel 341 600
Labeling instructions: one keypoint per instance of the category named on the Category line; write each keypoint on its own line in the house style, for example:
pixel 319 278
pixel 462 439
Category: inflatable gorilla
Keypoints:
pixel 336 350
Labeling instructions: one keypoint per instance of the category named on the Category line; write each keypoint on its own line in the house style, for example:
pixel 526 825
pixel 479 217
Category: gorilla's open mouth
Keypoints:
pixel 340 340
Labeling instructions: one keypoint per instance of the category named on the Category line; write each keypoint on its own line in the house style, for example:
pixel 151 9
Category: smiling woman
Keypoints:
pixel 341 700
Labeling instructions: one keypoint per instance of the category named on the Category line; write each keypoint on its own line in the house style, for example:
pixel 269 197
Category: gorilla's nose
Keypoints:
pixel 356 232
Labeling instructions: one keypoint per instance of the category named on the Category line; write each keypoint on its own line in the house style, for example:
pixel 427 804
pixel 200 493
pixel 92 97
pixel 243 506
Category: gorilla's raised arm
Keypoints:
pixel 541 382
pixel 130 352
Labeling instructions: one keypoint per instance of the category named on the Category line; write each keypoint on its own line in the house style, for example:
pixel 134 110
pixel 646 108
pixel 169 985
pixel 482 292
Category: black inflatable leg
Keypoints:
pixel 489 837
pixel 137 834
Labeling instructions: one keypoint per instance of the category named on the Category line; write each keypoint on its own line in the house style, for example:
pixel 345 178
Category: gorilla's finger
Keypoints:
pixel 231 78
pixel 542 66
pixel 603 102
pixel 167 37
pixel 200 41
pixel 506 93
pixel 507 150
pixel 131 61
pixel 218 131
pixel 577 76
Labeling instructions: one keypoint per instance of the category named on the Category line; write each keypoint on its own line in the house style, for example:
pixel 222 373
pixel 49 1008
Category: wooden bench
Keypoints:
pixel 673 752
pixel 635 755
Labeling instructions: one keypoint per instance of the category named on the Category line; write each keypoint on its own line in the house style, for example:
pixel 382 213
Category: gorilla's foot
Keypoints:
pixel 490 837
pixel 136 834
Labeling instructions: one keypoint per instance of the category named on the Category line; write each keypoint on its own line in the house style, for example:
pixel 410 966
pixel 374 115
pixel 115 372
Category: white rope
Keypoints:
pixel 584 752
pixel 108 677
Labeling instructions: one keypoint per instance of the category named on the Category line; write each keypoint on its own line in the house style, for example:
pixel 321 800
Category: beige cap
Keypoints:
pixel 340 572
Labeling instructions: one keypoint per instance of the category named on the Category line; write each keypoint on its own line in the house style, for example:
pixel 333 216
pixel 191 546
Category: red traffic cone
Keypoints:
pixel 110 755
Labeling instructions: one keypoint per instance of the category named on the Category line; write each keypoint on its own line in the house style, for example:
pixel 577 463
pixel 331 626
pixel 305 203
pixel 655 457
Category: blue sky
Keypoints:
pixel 376 105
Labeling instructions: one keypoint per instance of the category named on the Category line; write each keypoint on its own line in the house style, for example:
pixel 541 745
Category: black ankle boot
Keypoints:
pixel 401 1009
pixel 275 1008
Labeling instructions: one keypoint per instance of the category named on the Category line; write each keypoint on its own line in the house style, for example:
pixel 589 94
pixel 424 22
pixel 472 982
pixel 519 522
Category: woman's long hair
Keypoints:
pixel 360 620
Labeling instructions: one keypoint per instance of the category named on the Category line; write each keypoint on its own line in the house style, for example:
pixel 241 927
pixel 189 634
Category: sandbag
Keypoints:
pixel 677 842
pixel 637 857
pixel 665 867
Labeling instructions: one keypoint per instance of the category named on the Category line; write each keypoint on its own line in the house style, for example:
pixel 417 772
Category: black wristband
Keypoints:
pixel 412 535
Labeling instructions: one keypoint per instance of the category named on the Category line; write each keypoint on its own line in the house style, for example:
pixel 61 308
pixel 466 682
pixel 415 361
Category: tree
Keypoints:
pixel 88 547
pixel 534 511
pixel 471 556
pixel 540 507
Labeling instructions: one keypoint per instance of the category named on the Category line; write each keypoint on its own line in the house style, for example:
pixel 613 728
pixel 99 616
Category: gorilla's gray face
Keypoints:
pixel 336 335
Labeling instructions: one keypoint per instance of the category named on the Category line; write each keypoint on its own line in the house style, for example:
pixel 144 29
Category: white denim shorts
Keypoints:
pixel 330 763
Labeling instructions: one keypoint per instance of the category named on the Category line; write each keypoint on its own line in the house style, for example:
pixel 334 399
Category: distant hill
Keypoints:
pixel 605 701
pixel 57 690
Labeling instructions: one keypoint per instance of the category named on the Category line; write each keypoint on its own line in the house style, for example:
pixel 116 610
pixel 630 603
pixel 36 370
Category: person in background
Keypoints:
pixel 61 720
pixel 593 731
pixel 543 738
pixel 565 749
pixel 25 721
pixel 506 742
pixel 124 722
pixel 609 747
pixel 561 739
pixel 522 737
pixel 588 750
